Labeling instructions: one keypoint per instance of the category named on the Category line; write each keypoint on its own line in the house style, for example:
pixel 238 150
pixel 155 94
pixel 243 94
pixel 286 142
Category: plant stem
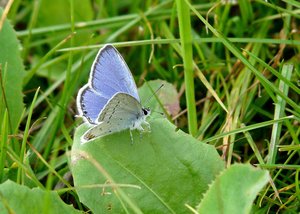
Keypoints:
pixel 187 53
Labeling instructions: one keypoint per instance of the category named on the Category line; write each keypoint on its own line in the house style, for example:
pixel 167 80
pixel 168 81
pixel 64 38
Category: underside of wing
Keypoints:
pixel 121 112
pixel 121 106
pixel 105 128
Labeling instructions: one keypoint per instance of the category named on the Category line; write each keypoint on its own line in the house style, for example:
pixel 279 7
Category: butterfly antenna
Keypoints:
pixel 154 93
pixel 158 112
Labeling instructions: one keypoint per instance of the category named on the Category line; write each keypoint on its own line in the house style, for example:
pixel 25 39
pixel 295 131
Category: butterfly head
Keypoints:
pixel 146 111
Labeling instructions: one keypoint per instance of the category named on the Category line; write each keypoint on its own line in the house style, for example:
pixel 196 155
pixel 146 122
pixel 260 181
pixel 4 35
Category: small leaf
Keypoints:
pixel 20 199
pixel 12 73
pixel 234 190
pixel 167 95
pixel 159 173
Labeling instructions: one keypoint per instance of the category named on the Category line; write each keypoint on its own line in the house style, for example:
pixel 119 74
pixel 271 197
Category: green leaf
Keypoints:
pixel 20 199
pixel 12 73
pixel 234 190
pixel 167 97
pixel 159 172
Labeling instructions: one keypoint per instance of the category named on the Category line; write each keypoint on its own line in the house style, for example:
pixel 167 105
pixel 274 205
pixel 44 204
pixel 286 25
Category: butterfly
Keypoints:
pixel 109 102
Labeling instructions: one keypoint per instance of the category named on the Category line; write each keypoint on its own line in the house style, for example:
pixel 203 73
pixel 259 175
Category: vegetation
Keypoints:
pixel 231 84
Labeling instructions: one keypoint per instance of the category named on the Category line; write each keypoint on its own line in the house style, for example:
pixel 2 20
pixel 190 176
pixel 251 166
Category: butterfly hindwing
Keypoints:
pixel 121 112
pixel 121 105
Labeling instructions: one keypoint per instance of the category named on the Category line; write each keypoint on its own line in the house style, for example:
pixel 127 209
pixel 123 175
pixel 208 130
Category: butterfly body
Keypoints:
pixel 110 102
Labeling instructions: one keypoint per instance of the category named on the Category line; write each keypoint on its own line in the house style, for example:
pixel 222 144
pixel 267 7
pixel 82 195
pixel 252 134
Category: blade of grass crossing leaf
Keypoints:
pixel 21 174
pixel 269 87
pixel 279 112
pixel 122 196
pixel 3 143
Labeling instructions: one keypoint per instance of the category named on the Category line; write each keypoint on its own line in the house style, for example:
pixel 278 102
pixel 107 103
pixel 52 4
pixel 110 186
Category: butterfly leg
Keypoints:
pixel 147 126
pixel 131 137
pixel 141 135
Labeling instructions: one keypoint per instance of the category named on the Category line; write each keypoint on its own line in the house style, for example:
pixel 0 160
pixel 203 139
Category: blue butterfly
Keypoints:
pixel 109 102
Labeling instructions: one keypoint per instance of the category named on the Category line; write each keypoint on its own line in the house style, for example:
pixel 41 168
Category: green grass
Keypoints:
pixel 235 68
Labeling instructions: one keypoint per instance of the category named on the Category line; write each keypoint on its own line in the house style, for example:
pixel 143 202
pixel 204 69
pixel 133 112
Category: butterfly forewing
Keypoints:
pixel 109 75
pixel 90 103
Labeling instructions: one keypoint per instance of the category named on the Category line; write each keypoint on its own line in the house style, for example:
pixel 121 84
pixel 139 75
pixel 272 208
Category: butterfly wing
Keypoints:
pixel 121 112
pixel 89 104
pixel 121 106
pixel 109 75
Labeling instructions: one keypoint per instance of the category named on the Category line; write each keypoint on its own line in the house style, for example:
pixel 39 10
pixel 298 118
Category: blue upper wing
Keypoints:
pixel 109 75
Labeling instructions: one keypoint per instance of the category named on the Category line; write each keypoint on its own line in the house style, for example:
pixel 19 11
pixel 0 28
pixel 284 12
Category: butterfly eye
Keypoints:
pixel 146 111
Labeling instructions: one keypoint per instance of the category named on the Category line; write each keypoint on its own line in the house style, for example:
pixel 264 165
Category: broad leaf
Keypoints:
pixel 12 73
pixel 234 190
pixel 20 199
pixel 159 172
